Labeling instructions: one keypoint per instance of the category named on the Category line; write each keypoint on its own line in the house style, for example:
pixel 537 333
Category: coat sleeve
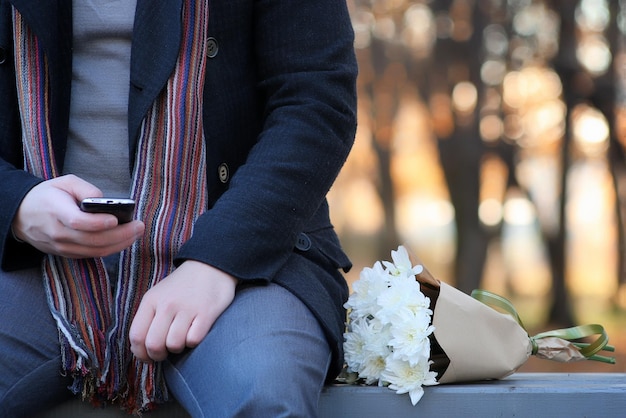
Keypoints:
pixel 306 83
pixel 14 182
pixel 14 255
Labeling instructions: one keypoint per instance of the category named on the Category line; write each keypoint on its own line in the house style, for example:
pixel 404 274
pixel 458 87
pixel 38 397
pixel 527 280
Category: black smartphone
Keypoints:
pixel 123 209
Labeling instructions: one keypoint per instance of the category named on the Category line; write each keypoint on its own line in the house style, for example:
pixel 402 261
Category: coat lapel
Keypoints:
pixel 156 39
pixel 51 21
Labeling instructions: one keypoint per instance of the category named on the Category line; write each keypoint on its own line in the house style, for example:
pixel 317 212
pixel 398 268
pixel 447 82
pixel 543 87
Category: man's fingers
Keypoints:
pixel 198 329
pixel 177 335
pixel 79 244
pixel 139 331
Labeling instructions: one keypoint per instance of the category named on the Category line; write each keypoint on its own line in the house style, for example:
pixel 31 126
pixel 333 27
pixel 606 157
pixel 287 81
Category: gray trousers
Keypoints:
pixel 265 356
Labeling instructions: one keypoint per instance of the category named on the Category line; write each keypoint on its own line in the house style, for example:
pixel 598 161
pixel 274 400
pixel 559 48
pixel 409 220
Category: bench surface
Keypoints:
pixel 520 395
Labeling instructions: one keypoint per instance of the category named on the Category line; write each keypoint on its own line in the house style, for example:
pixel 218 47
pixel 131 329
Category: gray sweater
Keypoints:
pixel 97 148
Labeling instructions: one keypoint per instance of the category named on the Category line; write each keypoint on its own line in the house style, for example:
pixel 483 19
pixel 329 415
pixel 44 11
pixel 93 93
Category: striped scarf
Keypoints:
pixel 93 312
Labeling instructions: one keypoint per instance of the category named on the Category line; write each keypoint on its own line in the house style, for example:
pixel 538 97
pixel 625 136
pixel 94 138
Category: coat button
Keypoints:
pixel 3 56
pixel 303 243
pixel 222 172
pixel 211 47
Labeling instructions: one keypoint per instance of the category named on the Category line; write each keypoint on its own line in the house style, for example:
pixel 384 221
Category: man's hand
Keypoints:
pixel 179 311
pixel 50 220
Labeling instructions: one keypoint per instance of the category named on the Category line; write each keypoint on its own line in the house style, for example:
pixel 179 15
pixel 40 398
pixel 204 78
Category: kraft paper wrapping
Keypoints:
pixel 480 342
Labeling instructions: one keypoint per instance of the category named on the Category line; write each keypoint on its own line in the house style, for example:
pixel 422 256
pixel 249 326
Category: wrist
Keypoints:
pixel 208 270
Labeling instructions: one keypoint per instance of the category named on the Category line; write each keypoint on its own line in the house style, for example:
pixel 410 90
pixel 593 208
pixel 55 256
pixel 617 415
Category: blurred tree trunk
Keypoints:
pixel 567 68
pixel 605 99
pixel 462 151
pixel 382 85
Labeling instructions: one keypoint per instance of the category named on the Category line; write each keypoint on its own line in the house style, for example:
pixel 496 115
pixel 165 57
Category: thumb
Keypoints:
pixel 76 187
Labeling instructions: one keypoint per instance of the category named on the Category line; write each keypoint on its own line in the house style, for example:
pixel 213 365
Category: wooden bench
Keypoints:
pixel 550 395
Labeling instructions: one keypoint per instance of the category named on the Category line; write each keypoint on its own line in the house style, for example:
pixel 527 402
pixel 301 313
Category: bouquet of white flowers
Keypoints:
pixel 389 327
pixel 407 330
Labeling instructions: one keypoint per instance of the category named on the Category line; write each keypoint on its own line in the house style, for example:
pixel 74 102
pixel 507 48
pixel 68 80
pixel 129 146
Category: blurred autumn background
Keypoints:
pixel 491 143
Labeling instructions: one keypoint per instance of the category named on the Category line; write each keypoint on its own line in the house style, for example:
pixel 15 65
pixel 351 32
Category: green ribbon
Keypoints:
pixel 589 350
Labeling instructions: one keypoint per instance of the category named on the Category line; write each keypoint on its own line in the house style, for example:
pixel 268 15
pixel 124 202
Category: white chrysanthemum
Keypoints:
pixel 402 265
pixel 402 295
pixel 406 378
pixel 409 338
pixel 366 348
pixel 354 345
pixel 378 338
pixel 372 282
pixel 419 303
pixel 372 368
